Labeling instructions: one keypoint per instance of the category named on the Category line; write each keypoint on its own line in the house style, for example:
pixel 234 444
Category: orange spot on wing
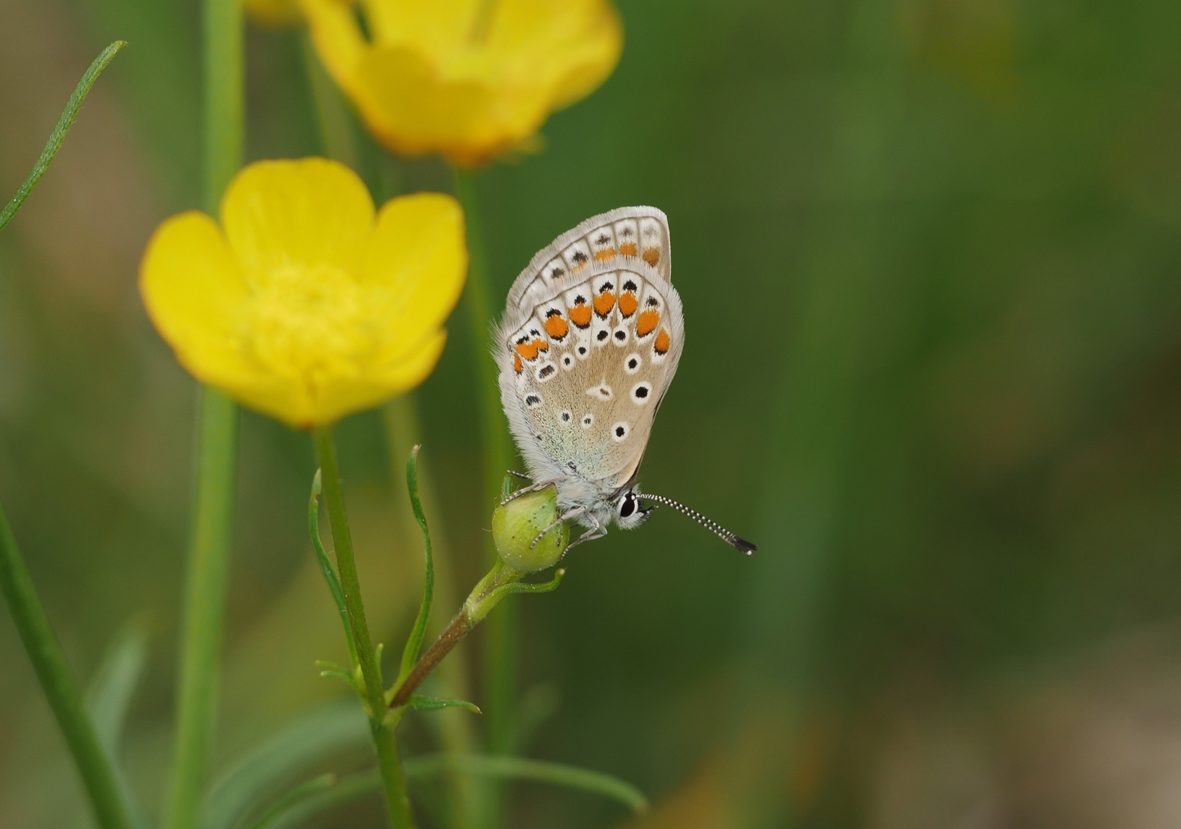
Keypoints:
pixel 556 327
pixel 663 341
pixel 647 322
pixel 527 351
pixel 604 302
pixel 628 303
pixel 541 345
pixel 580 315
pixel 605 254
pixel 628 249
pixel 518 367
pixel 652 256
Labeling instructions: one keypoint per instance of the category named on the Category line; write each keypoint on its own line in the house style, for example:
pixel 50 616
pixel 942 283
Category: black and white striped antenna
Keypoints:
pixel 737 542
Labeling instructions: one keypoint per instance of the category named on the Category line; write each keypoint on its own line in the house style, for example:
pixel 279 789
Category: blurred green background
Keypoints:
pixel 929 252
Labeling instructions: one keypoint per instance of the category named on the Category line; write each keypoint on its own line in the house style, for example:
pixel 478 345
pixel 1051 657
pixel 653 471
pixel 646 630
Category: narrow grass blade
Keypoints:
pixel 506 767
pixel 248 783
pixel 113 685
pixel 58 136
pixel 316 800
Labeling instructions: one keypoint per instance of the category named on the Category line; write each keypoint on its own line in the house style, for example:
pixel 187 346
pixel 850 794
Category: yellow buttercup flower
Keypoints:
pixel 306 303
pixel 470 79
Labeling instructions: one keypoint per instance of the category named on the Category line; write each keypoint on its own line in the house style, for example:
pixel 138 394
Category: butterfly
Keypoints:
pixel 589 342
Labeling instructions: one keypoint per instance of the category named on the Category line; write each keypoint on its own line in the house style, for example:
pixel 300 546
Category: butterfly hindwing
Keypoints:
pixel 585 378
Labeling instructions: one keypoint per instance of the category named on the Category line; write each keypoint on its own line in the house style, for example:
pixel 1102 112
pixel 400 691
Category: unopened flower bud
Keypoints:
pixel 516 524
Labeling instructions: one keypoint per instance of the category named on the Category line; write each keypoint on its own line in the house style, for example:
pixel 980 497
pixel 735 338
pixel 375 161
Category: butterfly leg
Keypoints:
pixel 597 531
pixel 536 487
pixel 517 474
pixel 568 515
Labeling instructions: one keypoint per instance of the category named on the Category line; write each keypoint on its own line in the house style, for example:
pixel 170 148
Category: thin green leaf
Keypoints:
pixel 308 801
pixel 58 136
pixel 113 685
pixel 326 566
pixel 506 767
pixel 250 781
pixel 414 643
pixel 108 698
pixel 420 702
pixel 352 788
pixel 285 805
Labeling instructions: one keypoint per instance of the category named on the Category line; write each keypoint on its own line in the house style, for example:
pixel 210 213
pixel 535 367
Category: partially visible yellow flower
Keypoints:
pixel 306 304
pixel 470 79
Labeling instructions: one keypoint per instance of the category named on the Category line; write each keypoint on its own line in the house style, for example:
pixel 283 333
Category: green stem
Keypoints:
pixel 204 606
pixel 499 582
pixel 500 660
pixel 208 557
pixel 111 811
pixel 380 726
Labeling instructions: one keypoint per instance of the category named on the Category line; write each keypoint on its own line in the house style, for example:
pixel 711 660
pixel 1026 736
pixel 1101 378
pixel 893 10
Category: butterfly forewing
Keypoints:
pixel 627 233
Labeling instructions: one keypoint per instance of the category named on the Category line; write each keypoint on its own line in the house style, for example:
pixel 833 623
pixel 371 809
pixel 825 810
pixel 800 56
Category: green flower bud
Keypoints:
pixel 517 523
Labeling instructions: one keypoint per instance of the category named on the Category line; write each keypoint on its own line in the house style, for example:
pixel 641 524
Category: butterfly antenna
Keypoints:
pixel 737 542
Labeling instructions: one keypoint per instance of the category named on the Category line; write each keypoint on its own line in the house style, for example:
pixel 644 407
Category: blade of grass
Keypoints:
pixel 61 691
pixel 248 781
pixel 108 698
pixel 114 683
pixel 315 801
pixel 58 136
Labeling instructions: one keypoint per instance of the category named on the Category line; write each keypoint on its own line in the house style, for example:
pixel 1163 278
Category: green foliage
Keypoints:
pixel 58 136
pixel 414 641
pixel 247 784
pixel 326 568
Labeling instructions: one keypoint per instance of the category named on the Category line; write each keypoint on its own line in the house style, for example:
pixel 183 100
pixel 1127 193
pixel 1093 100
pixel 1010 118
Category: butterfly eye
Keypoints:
pixel 627 506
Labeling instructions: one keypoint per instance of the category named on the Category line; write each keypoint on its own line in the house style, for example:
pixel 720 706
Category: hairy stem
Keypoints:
pixel 448 639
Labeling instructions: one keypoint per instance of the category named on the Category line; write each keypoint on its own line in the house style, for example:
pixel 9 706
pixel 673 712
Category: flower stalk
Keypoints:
pixel 61 691
pixel 382 725
pixel 206 572
pixel 501 581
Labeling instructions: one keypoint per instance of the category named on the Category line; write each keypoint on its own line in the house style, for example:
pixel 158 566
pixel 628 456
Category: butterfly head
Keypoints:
pixel 629 512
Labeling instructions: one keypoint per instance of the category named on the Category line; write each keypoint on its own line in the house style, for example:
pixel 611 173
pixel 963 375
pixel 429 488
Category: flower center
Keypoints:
pixel 310 324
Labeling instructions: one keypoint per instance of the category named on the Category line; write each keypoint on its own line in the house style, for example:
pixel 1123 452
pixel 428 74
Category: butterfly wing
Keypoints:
pixel 617 236
pixel 586 355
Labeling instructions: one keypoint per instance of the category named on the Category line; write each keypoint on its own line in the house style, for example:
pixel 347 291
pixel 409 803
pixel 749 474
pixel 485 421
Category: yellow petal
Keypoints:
pixel 305 406
pixel 337 37
pixel 283 214
pixel 415 264
pixel 408 103
pixel 194 293
pixel 580 39
pixel 437 27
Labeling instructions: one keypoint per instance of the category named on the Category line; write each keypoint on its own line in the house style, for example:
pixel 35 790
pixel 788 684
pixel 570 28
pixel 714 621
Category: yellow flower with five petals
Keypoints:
pixel 306 303
pixel 469 79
